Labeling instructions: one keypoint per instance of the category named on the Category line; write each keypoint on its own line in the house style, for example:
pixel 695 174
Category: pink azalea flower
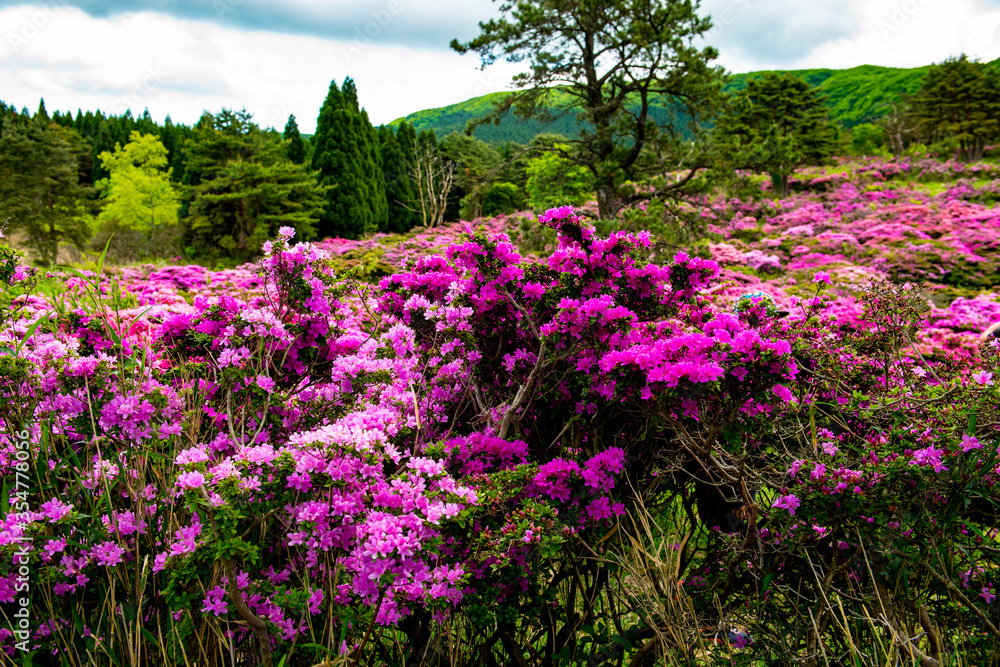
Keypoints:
pixel 789 502
pixel 983 378
pixel 190 480
pixel 970 443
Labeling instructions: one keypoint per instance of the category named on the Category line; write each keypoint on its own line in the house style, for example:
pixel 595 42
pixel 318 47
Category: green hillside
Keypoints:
pixel 854 96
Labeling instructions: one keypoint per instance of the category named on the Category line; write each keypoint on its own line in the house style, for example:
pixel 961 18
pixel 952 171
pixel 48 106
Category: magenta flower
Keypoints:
pixel 969 443
pixel 190 480
pixel 983 378
pixel 789 502
pixel 782 392
pixel 214 604
pixel 55 509
pixel 191 455
pixel 988 595
pixel 108 554
pixel 822 277
pixel 929 456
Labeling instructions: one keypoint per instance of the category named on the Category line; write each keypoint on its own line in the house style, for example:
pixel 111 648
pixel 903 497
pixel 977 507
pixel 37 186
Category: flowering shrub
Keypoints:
pixel 450 456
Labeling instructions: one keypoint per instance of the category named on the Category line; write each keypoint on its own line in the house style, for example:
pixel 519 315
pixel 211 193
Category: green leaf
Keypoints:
pixel 28 334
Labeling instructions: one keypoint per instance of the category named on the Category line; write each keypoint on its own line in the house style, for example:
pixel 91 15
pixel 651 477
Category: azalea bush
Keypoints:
pixel 477 455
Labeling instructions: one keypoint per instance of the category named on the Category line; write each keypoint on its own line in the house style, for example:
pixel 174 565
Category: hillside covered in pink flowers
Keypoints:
pixel 519 437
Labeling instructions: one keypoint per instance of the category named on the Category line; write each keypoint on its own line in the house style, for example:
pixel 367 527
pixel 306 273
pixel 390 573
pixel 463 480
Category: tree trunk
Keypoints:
pixel 607 201
pixel 780 183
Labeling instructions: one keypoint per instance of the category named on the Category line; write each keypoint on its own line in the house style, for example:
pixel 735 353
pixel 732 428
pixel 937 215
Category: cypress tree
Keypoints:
pixel 296 149
pixel 347 157
pixel 399 190
pixel 407 138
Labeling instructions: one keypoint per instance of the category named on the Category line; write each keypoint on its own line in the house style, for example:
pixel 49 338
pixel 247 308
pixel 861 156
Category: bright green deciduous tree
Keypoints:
pixel 244 187
pixel 346 155
pixel 960 98
pixel 138 191
pixel 40 186
pixel 775 126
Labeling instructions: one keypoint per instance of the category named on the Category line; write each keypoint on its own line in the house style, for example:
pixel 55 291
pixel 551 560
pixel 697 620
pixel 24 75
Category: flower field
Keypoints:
pixel 459 447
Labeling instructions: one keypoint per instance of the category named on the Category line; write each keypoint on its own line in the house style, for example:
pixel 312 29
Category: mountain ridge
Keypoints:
pixel 853 96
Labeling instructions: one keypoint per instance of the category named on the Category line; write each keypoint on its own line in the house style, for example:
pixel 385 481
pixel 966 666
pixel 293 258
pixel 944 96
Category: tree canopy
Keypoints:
pixel 960 99
pixel 346 155
pixel 138 193
pixel 775 125
pixel 296 149
pixel 244 188
pixel 605 62
pixel 40 184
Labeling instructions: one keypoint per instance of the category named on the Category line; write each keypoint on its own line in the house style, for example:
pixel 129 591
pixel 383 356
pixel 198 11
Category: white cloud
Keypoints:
pixel 790 34
pixel 181 68
pixel 176 65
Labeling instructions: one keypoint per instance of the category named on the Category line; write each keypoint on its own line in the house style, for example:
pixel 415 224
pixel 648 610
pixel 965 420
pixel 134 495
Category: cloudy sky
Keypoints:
pixel 181 57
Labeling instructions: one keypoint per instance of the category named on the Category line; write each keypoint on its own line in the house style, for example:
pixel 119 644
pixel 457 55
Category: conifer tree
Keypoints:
pixel 406 135
pixel 244 188
pixel 960 98
pixel 775 126
pixel 40 185
pixel 138 193
pixel 399 191
pixel 296 146
pixel 347 157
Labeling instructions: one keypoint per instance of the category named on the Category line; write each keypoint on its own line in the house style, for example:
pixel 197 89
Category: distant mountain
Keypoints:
pixel 854 96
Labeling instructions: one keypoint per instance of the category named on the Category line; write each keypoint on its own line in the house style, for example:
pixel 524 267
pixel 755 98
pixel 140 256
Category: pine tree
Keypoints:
pixel 296 146
pixel 960 99
pixel 774 126
pixel 347 157
pixel 40 185
pixel 399 191
pixel 244 187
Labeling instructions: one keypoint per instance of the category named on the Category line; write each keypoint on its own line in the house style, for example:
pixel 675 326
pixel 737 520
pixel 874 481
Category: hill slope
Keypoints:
pixel 853 96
